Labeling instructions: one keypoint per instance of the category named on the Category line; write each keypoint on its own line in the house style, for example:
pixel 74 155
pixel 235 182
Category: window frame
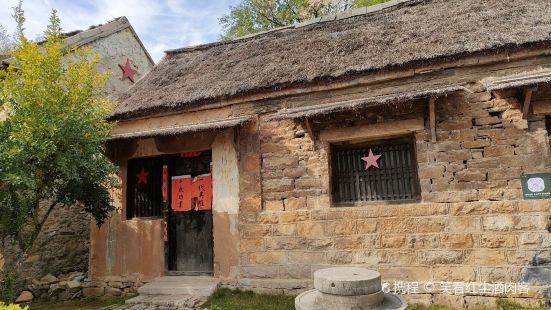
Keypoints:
pixel 130 209
pixel 356 144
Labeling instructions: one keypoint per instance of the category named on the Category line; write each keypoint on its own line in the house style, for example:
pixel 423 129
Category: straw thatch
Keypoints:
pixel 406 34
pixel 180 129
pixel 309 111
pixel 518 80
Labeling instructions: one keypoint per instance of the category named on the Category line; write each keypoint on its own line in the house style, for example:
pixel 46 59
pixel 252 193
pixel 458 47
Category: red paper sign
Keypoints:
pixel 201 192
pixel 165 231
pixel 181 193
pixel 190 154
pixel 165 183
pixel 191 194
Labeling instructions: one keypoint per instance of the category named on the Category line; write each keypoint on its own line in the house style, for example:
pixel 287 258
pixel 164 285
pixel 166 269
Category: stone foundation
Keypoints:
pixel 77 285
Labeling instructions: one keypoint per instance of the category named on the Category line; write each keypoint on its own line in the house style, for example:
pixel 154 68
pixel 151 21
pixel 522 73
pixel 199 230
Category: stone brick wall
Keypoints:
pixel 470 225
pixel 60 249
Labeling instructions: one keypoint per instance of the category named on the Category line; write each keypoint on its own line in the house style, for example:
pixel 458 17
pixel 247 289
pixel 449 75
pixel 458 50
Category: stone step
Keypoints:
pixel 199 286
pixel 169 301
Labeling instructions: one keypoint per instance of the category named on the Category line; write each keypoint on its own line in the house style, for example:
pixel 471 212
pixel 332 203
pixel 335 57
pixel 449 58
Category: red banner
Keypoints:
pixel 181 193
pixel 165 183
pixel 201 192
pixel 191 194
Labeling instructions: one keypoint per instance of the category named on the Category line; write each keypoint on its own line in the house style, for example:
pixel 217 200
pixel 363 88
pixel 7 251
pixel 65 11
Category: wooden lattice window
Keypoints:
pixel 144 188
pixel 395 179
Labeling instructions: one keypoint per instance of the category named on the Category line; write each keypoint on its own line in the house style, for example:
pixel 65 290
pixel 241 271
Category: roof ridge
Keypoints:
pixel 366 10
pixel 95 31
pixel 80 38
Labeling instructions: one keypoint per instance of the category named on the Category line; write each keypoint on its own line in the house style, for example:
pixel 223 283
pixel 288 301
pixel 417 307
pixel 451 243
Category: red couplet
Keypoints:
pixel 188 193
pixel 201 192
pixel 165 183
pixel 181 193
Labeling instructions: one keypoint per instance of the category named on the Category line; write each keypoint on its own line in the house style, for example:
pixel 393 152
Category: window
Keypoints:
pixel 356 177
pixel 144 188
pixel 548 127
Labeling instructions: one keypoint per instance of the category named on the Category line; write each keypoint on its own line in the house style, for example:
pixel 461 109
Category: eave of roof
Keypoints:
pixel 525 79
pixel 180 129
pixel 321 109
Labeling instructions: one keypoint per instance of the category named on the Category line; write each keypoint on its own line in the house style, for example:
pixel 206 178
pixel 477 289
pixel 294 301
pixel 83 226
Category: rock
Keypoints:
pixel 111 291
pixel 63 284
pixel 74 284
pixel 55 289
pixel 48 279
pixel 76 275
pixel 25 296
pixel 93 291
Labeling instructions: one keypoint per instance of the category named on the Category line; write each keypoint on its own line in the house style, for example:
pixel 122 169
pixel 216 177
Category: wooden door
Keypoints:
pixel 192 242
pixel 190 232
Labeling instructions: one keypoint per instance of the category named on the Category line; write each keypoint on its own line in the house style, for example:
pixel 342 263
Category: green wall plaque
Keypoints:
pixel 536 186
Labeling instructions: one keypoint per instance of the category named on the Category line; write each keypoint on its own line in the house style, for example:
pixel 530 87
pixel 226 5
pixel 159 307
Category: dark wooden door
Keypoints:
pixel 192 242
pixel 190 233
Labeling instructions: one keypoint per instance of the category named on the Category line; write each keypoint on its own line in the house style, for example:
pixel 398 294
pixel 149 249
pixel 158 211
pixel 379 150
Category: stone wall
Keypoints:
pixel 60 249
pixel 471 223
pixel 75 285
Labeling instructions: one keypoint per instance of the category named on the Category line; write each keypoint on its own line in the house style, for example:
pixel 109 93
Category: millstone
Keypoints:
pixel 348 288
pixel 351 302
pixel 310 300
pixel 347 281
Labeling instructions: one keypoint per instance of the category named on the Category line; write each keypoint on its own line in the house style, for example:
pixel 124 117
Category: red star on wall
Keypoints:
pixel 142 176
pixel 371 160
pixel 127 71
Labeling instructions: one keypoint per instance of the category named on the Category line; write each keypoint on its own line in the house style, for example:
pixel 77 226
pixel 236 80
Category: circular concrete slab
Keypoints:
pixel 347 281
pixel 310 300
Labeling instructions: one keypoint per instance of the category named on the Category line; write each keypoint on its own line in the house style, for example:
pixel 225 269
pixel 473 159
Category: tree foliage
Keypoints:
pixel 51 134
pixel 5 41
pixel 251 16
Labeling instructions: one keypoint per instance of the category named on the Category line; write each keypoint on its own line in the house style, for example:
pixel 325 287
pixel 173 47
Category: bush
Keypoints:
pixel 3 306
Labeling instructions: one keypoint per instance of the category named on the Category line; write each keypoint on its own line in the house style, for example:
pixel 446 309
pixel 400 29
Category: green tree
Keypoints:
pixel 51 135
pixel 251 16
pixel 5 41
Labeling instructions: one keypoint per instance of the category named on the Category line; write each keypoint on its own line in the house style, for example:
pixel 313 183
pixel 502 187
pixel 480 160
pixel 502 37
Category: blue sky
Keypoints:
pixel 161 24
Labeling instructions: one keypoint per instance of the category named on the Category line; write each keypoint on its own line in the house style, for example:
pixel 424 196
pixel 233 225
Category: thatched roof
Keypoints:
pixel 180 129
pixel 336 47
